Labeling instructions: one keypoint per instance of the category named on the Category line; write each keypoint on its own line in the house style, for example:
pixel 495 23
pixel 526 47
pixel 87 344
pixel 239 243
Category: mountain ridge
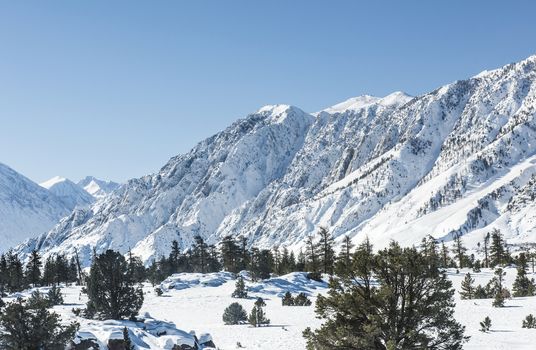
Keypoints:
pixel 277 175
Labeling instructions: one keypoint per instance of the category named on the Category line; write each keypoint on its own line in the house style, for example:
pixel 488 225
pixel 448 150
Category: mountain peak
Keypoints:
pixel 396 98
pixel 52 181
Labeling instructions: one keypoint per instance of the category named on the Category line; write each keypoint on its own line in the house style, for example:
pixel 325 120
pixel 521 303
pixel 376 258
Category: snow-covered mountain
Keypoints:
pixel 68 192
pixel 461 159
pixel 26 209
pixel 97 188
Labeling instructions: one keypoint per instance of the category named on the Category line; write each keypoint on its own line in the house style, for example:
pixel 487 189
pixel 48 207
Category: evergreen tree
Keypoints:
pixel 486 245
pixel 467 291
pixel 49 272
pixel 497 251
pixel 33 269
pixel 476 266
pixel 30 326
pixel 54 296
pixel 499 292
pixel 174 258
pixel 287 299
pixel 234 314
pixel 485 325
pixel 15 273
pixel 110 290
pixel 257 317
pixel 261 263
pixel 301 262
pixel 126 340
pixel 200 255
pixel 409 306
pixel 240 289
pixel 523 286
pixel 302 300
pixel 4 277
pixel 444 256
pixel 529 322
pixel 459 250
pixel 343 265
pixel 312 261
pixel 230 254
pixel 327 253
pixel 136 270
pixel 429 250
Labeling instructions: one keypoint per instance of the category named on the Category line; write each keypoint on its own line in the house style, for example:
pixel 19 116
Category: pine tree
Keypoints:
pixel 110 290
pixel 49 272
pixel 234 314
pixel 33 269
pixel 486 245
pixel 459 250
pixel 126 340
pixel 499 297
pixel 230 254
pixel 485 325
pixel 261 263
pixel 29 326
pixel 287 299
pixel 444 255
pixel 523 286
pixel 302 300
pixel 409 306
pixel 4 280
pixel 327 253
pixel 529 322
pixel 467 291
pixel 136 270
pixel 200 254
pixel 54 295
pixel 497 251
pixel 257 317
pixel 240 289
pixel 312 261
pixel 343 265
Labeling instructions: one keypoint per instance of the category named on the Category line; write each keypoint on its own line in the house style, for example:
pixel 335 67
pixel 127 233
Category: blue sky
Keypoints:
pixel 115 88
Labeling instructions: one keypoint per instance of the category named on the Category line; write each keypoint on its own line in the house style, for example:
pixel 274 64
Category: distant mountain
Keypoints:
pixel 97 188
pixel 458 160
pixel 68 192
pixel 26 209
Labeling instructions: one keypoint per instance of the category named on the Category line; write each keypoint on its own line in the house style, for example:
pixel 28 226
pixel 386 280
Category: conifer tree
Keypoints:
pixel 234 314
pixel 240 289
pixel 467 287
pixel 261 263
pixel 360 314
pixel 497 251
pixel 257 317
pixel 287 299
pixel 54 295
pixel 33 269
pixel 523 286
pixel 529 322
pixel 343 264
pixel 499 297
pixel 485 325
pixel 110 290
pixel 327 253
pixel 459 250
pixel 49 272
pixel 126 340
pixel 30 326
pixel 312 260
pixel 3 276
pixel 230 254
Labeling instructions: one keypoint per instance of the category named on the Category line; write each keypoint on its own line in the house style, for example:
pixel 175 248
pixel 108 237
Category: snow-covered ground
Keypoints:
pixel 196 302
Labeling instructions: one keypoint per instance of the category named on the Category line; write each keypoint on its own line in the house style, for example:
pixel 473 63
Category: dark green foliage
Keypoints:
pixel 126 340
pixel 287 299
pixel 407 305
pixel 136 270
pixel 459 250
pixel 12 277
pixel 261 264
pixel 498 251
pixel 54 295
pixel 257 317
pixel 523 286
pixel 240 288
pixel 234 314
pixel 33 269
pixel 312 263
pixel 499 294
pixel 30 326
pixel 110 290
pixel 326 251
pixel 485 325
pixel 230 253
pixel 343 264
pixel 467 287
pixel 529 322
pixel 302 300
pixel 477 266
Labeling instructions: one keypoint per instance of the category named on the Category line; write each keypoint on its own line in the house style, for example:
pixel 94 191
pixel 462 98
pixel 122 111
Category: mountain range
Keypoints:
pixel 458 160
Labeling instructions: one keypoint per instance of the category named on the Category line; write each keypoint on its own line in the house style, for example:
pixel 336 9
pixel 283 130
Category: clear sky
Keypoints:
pixel 115 88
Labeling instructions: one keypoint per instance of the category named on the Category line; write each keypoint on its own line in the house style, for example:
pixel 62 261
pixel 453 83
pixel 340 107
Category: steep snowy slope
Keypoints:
pixel 458 159
pixel 68 192
pixel 26 209
pixel 97 188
